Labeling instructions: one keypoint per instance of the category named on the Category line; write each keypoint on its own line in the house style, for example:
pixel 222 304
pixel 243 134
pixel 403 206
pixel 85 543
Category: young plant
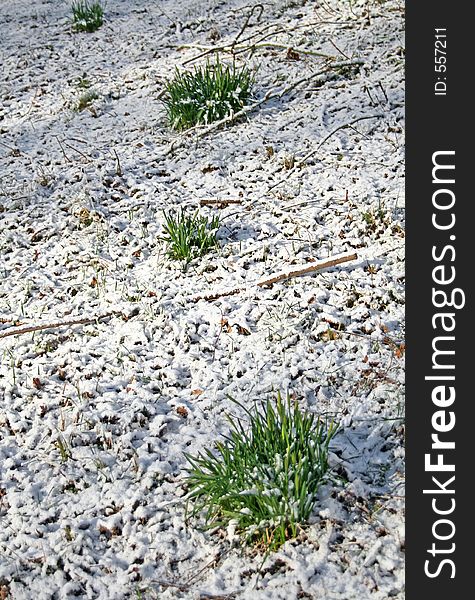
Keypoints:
pixel 189 236
pixel 87 16
pixel 263 478
pixel 83 83
pixel 85 100
pixel 375 217
pixel 210 93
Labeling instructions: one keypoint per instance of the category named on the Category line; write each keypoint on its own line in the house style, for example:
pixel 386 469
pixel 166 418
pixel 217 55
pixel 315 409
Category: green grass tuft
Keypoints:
pixel 189 236
pixel 85 100
pixel 210 93
pixel 264 478
pixel 87 16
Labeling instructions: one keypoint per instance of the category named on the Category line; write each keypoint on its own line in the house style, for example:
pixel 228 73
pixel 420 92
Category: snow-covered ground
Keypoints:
pixel 95 417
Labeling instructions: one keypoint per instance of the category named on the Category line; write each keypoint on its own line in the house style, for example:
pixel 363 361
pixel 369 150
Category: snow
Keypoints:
pixel 92 441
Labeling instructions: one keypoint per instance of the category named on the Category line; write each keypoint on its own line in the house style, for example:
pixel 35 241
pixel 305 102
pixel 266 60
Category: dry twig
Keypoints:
pixel 239 48
pixel 303 160
pixel 219 202
pixel 284 275
pixel 31 328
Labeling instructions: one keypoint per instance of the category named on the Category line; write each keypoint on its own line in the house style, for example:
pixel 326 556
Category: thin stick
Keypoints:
pixel 259 7
pixel 315 150
pixel 88 158
pixel 217 295
pixel 338 49
pixel 220 202
pixel 62 149
pixel 244 48
pixel 302 270
pixel 264 32
pixel 118 169
pixel 31 328
pixel 318 266
pixel 344 126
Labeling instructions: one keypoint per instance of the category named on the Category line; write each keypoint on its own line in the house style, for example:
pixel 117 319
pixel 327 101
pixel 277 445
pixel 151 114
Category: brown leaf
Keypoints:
pixel 37 383
pixel 209 169
pixel 197 392
pixel 225 325
pixel 399 352
pixel 242 330
pixel 182 411
pixel 292 55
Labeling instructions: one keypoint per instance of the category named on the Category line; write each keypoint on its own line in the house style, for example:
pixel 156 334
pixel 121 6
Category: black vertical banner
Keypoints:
pixel 440 312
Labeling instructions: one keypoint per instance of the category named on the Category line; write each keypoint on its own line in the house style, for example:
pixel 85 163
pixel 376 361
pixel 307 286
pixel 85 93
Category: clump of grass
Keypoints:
pixel 87 16
pixel 83 83
pixel 264 478
pixel 85 100
pixel 374 218
pixel 189 236
pixel 210 93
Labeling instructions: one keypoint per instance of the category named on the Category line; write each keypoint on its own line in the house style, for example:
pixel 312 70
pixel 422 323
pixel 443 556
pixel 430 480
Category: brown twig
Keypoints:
pixel 88 158
pixel 118 168
pixel 31 328
pixel 62 149
pixel 219 202
pixel 255 8
pixel 284 275
pixel 236 49
pixel 326 138
pixel 315 150
pixel 270 30
pixel 318 266
pixel 217 295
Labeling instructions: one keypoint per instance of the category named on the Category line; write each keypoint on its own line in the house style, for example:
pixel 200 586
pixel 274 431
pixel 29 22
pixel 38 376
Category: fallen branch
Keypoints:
pixel 32 328
pixel 238 48
pixel 270 30
pixel 282 276
pixel 318 266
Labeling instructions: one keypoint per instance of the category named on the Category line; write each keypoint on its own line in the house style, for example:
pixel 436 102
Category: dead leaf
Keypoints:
pixel 400 350
pixel 209 169
pixel 292 55
pixel 242 330
pixel 225 325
